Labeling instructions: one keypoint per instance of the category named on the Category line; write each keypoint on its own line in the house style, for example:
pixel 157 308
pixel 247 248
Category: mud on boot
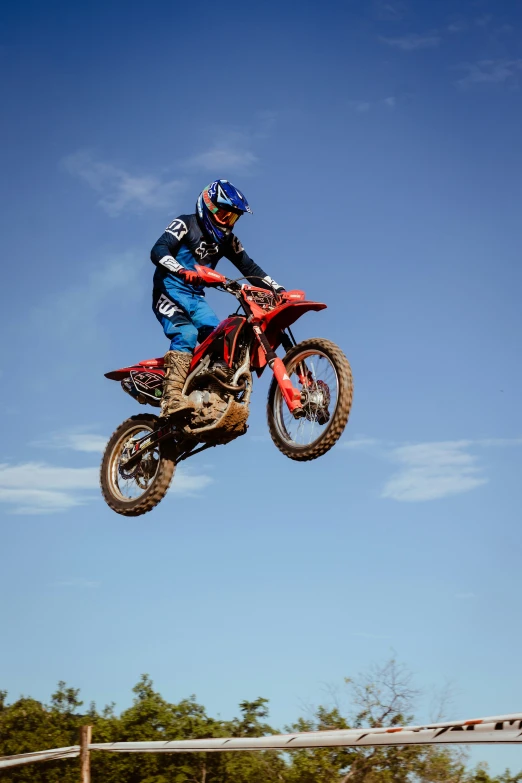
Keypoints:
pixel 173 401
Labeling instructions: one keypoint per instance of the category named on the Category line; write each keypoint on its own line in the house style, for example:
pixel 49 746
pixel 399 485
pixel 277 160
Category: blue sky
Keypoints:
pixel 380 149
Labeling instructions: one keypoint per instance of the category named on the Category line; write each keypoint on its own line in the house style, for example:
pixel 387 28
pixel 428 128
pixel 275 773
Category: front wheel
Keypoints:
pixel 323 374
pixel 135 490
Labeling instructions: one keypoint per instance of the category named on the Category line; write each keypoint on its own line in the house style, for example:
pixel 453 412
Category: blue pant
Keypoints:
pixel 186 318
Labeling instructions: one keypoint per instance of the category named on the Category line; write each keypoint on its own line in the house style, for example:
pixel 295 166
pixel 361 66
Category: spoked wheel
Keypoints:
pixel 137 489
pixel 323 374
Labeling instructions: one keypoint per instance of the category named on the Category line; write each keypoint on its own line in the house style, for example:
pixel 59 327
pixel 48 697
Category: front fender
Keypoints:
pixel 276 321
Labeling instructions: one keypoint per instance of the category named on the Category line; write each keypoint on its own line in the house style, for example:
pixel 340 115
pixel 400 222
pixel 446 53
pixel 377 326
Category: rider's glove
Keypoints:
pixel 272 285
pixel 190 277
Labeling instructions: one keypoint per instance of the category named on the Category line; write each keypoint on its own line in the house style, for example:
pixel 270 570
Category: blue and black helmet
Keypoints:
pixel 219 206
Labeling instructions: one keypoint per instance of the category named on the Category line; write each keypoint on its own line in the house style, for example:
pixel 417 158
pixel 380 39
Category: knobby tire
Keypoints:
pixel 160 484
pixel 344 403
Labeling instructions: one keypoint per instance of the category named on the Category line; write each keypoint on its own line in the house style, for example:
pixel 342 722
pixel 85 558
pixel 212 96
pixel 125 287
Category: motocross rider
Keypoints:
pixel 178 299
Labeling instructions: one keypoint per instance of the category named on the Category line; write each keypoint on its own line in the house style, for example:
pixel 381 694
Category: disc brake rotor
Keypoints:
pixel 141 471
pixel 148 466
pixel 128 473
pixel 316 399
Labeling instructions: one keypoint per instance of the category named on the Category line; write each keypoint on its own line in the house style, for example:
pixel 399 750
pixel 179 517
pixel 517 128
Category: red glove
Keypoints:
pixel 190 277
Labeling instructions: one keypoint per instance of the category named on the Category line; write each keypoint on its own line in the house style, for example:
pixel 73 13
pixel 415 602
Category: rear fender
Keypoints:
pixel 150 365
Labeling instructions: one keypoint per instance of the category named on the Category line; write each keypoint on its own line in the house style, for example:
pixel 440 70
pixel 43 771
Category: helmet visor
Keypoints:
pixel 225 218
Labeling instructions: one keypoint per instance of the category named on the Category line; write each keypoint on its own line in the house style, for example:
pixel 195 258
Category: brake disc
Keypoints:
pixel 132 472
pixel 316 402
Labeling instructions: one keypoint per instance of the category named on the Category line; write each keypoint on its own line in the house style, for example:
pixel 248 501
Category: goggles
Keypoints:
pixel 221 216
pixel 225 218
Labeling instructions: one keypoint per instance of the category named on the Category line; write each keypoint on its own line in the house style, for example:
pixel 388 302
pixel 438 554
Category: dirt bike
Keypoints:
pixel 309 399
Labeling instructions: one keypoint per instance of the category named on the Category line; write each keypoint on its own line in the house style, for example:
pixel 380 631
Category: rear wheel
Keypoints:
pixel 135 490
pixel 321 371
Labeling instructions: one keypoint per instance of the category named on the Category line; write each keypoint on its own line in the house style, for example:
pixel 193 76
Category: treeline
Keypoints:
pixel 382 698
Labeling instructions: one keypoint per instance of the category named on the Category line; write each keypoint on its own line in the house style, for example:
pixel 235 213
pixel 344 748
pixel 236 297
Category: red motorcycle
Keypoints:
pixel 309 399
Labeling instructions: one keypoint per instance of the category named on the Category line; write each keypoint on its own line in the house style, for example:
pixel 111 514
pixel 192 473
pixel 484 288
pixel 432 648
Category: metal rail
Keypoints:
pixel 500 729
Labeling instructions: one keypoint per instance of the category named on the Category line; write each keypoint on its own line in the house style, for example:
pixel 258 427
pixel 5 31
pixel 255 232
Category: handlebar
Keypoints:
pixel 232 286
pixel 212 278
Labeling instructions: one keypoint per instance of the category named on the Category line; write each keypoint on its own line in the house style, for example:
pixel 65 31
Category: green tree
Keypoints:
pixel 383 697
pixel 27 725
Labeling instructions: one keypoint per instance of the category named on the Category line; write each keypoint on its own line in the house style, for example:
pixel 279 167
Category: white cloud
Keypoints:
pixel 40 476
pixel 188 482
pixel 79 439
pixel 38 488
pixel 433 470
pixel 501 71
pixel 221 158
pixel 119 189
pixel 390 102
pixel 185 482
pixel 387 11
pixel 414 42
pixel 231 151
pixel 37 501
pixel 86 441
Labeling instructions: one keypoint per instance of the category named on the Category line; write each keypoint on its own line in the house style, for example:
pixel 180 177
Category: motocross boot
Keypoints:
pixel 173 401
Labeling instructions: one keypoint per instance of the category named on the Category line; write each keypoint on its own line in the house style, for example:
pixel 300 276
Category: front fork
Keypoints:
pixel 292 396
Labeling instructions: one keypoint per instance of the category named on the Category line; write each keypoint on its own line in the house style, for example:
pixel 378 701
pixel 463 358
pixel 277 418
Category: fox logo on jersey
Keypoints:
pixel 206 249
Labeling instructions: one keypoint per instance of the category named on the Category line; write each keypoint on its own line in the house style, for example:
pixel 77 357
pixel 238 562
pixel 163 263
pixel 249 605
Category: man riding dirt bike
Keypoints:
pixel 204 392
pixel 178 299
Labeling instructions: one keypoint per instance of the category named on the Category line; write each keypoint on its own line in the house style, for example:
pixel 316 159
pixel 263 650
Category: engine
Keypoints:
pixel 211 399
pixel 223 372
